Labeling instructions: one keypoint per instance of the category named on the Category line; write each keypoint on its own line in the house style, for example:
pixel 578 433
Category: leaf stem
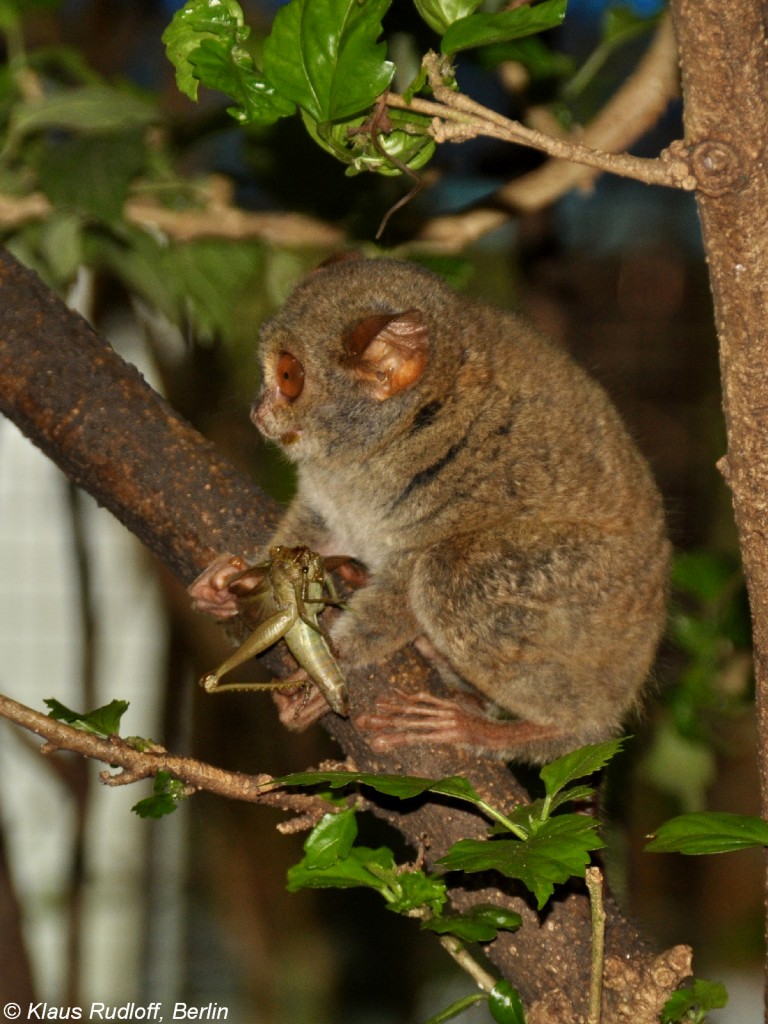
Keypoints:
pixel 518 830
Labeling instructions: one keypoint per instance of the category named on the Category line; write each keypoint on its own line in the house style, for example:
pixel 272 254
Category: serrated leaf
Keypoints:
pixel 103 721
pixel 351 872
pixel 233 72
pixel 578 764
pixel 404 787
pixel 413 889
pixel 330 840
pixel 168 793
pixel 324 56
pixel 574 794
pixel 480 924
pixel 155 806
pixel 482 29
pixel 439 14
pixel 559 850
pixel 505 1004
pixel 219 21
pixel 709 832
pixel 702 996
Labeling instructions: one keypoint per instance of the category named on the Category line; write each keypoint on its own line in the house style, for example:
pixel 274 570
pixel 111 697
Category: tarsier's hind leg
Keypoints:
pixel 554 604
pixel 523 621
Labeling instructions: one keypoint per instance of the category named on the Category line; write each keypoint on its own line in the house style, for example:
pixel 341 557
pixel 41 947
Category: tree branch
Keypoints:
pixel 633 109
pixel 725 84
pixel 458 117
pixel 215 217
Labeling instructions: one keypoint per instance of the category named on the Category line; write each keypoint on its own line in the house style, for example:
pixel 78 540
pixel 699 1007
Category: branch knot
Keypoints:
pixel 719 166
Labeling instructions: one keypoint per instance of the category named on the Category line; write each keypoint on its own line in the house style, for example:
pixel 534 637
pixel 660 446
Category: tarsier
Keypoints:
pixel 506 522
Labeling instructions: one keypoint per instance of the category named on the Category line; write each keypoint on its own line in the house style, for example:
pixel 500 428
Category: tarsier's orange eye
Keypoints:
pixel 289 375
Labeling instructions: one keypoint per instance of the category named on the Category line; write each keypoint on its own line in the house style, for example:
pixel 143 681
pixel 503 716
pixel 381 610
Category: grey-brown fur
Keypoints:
pixel 501 509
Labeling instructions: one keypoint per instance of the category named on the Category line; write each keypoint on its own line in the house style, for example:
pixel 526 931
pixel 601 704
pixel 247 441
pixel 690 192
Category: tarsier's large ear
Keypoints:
pixel 388 350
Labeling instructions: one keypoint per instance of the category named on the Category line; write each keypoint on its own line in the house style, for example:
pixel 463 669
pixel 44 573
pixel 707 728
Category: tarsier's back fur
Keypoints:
pixel 489 487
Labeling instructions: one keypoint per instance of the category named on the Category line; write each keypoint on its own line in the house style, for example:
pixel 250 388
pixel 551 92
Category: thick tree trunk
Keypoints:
pixel 723 49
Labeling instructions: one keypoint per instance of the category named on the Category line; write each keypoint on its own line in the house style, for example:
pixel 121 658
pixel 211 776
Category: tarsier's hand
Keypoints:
pixel 211 591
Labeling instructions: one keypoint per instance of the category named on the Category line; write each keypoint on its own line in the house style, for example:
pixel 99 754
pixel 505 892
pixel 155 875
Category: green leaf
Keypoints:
pixel 411 890
pixel 621 24
pixel 482 29
pixel 232 71
pixel 572 794
pixel 701 997
pixel 536 57
pixel 480 924
pixel 439 14
pixel 702 574
pixel 709 832
pixel 408 142
pixel 578 764
pixel 330 840
pixel 371 869
pixel 681 767
pixel 456 1008
pixel 324 56
pixel 559 850
pixel 168 793
pixel 332 861
pixel 505 1004
pixel 88 108
pixel 91 173
pixel 205 43
pixel 218 21
pixel 103 721
pixel 61 245
pixel 404 787
pixel 155 806
pixel 208 282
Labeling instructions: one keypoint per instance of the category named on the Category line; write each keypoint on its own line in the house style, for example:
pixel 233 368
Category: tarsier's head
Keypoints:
pixel 344 359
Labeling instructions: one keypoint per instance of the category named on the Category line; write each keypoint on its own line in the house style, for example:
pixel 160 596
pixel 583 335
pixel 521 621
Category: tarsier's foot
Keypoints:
pixel 301 706
pixel 210 592
pixel 402 719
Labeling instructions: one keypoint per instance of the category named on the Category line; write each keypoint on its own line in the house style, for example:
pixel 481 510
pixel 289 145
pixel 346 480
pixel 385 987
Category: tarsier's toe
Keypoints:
pixel 210 593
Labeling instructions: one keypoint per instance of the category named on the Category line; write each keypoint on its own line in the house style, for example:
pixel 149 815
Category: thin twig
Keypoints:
pixel 458 115
pixel 135 764
pixel 633 109
pixel 215 219
pixel 594 878
pixel 459 952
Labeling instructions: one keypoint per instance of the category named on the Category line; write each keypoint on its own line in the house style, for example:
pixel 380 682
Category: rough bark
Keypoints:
pixel 95 416
pixel 725 87
pixel 110 433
